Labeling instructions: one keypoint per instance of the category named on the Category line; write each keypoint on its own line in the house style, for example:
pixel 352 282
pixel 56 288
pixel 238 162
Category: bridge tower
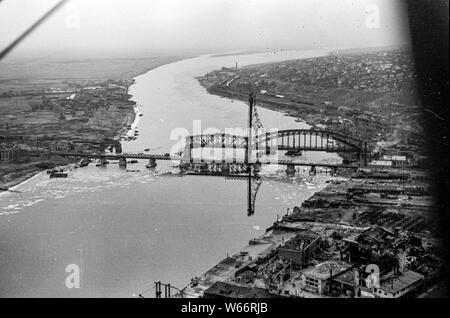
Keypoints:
pixel 187 152
pixel 254 122
pixel 248 149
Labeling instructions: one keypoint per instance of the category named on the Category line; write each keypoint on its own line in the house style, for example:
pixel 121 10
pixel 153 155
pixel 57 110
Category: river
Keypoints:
pixel 125 230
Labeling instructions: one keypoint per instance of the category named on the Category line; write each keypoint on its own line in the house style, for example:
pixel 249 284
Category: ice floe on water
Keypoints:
pixel 8 213
pixel 90 180
pixel 289 191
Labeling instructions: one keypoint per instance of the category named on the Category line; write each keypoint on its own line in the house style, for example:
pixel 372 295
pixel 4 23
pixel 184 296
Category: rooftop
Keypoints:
pixel 396 282
pixel 327 269
pixel 221 289
pixel 301 241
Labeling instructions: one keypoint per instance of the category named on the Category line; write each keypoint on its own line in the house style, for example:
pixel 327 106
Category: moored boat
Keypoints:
pixel 55 170
pixel 58 175
pixel 83 163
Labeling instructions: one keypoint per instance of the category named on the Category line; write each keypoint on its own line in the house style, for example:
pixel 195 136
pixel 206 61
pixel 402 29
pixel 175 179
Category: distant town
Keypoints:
pixel 371 233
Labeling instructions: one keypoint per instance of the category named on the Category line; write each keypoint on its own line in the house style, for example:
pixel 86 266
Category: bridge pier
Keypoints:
pixel 118 147
pixel 313 171
pixel 123 162
pixel 184 167
pixel 151 163
pixel 225 169
pixel 267 141
pixel 257 168
pixel 290 170
pixel 102 162
pixel 333 171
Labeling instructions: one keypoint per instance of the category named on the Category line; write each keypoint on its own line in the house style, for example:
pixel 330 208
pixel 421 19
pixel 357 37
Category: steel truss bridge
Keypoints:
pixel 270 142
pixel 293 139
pixel 207 164
pixel 287 140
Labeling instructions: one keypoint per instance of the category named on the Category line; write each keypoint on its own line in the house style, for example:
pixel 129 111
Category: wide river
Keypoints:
pixel 125 230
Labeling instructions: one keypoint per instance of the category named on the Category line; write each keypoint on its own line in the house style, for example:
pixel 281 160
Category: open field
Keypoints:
pixel 46 103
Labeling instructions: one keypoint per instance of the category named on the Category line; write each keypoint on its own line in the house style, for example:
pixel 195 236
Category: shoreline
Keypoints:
pixel 346 206
pixel 27 180
pixel 122 133
pixel 268 232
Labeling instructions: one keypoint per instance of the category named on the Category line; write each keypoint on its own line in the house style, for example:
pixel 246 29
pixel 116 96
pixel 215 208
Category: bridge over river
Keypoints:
pixel 261 151
pixel 204 164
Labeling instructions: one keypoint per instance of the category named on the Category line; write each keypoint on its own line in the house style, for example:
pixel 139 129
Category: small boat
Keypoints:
pixel 147 150
pixel 140 115
pixel 58 175
pixel 55 170
pixel 133 161
pixel 83 163
pixel 102 163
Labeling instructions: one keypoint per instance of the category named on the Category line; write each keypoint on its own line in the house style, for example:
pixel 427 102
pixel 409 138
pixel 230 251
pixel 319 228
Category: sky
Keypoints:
pixel 133 28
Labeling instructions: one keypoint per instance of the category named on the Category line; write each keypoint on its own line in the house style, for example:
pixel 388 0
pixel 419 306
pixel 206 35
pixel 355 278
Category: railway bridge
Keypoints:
pixel 296 140
pixel 261 142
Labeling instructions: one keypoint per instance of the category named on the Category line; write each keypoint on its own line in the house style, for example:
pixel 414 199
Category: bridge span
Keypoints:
pixel 285 140
pixel 204 163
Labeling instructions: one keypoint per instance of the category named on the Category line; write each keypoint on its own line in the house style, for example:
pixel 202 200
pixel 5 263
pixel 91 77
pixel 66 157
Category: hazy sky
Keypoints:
pixel 137 27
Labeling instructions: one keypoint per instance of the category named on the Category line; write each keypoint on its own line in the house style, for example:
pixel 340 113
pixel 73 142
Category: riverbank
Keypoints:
pixel 51 108
pixel 382 215
pixel 365 94
pixel 391 220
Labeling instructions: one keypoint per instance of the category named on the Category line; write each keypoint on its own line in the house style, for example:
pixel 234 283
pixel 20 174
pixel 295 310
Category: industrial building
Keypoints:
pixel 300 249
pixel 399 285
pixel 226 290
pixel 317 279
